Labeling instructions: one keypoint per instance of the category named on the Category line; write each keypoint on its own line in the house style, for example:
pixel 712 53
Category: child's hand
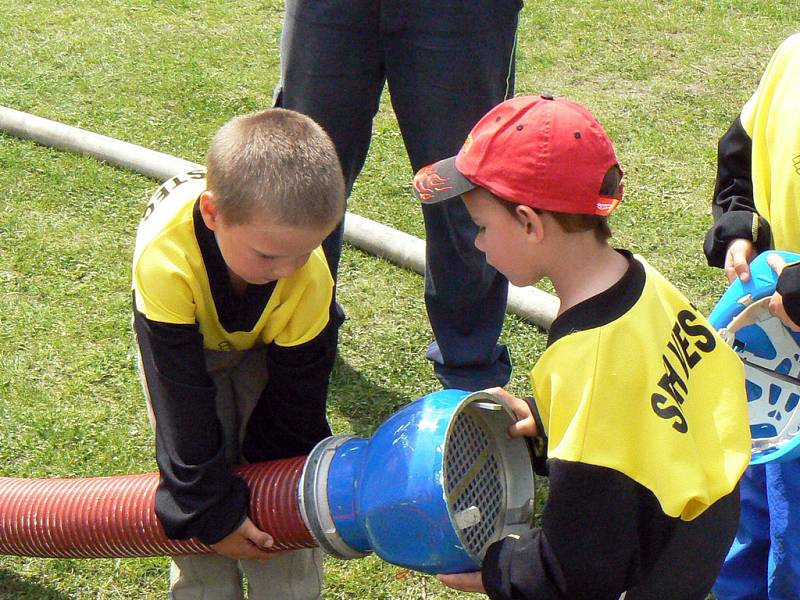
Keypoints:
pixel 776 307
pixel 466 582
pixel 525 425
pixel 737 259
pixel 247 542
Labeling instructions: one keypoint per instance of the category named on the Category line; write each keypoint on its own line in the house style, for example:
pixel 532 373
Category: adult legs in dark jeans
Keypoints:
pixel 332 70
pixel 446 63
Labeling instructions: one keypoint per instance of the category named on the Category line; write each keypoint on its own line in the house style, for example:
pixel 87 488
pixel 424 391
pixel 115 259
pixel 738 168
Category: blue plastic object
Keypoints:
pixel 435 485
pixel 771 353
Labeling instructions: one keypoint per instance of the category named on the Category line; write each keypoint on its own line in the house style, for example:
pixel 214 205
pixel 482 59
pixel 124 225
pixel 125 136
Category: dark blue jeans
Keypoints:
pixel 447 62
pixel 764 560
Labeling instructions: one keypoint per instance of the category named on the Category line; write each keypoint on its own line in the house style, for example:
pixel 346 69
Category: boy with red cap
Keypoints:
pixel 638 405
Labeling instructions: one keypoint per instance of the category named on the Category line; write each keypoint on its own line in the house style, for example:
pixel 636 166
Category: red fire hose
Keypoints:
pixel 114 517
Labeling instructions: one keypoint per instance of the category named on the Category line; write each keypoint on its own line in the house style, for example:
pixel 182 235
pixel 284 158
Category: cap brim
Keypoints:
pixel 440 181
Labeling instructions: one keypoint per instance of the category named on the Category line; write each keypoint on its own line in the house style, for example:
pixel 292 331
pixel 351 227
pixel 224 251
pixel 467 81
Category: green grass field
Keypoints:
pixel 665 78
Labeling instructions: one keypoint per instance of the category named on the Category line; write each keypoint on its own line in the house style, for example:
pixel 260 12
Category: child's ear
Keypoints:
pixel 208 210
pixel 531 221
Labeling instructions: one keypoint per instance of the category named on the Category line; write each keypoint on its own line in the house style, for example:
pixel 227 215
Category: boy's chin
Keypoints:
pixel 261 282
pixel 257 280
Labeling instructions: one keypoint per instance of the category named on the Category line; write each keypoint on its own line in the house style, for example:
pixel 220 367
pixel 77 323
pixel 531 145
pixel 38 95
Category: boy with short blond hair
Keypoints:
pixel 277 162
pixel 233 314
pixel 638 405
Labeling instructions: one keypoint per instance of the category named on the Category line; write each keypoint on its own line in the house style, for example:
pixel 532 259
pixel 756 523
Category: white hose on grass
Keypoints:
pixel 375 238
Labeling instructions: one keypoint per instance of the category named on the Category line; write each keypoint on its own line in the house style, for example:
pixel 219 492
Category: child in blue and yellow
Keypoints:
pixel 232 313
pixel 756 208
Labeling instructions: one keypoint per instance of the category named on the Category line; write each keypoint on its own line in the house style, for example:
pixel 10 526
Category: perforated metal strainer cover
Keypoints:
pixel 488 478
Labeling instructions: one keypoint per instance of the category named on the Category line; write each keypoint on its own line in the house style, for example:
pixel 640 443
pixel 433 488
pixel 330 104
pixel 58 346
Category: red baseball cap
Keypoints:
pixel 545 152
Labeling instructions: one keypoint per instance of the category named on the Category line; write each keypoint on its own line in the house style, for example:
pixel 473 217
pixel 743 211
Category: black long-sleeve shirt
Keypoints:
pixel 198 495
pixel 733 206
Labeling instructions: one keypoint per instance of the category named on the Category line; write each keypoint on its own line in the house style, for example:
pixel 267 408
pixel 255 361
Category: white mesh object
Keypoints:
pixel 773 398
pixel 473 481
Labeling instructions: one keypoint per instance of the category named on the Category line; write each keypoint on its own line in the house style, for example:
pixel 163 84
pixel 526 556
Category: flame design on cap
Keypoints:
pixel 427 182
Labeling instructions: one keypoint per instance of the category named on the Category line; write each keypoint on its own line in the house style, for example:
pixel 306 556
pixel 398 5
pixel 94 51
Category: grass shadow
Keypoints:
pixel 361 402
pixel 15 586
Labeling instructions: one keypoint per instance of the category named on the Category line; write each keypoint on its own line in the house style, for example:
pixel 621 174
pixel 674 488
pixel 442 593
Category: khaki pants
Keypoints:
pixel 295 575
pixel 240 378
